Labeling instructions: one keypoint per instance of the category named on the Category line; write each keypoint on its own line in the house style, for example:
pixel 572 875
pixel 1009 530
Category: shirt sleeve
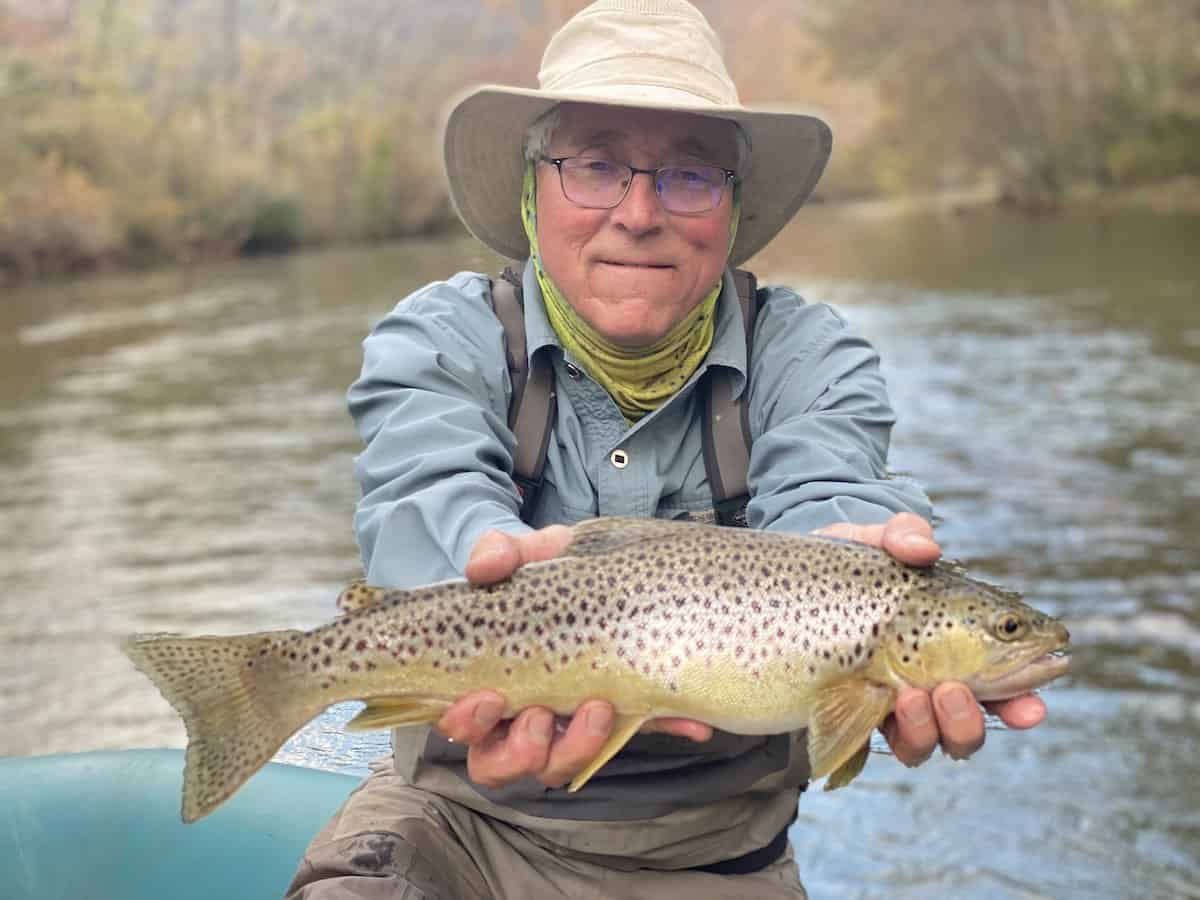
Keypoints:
pixel 822 422
pixel 431 408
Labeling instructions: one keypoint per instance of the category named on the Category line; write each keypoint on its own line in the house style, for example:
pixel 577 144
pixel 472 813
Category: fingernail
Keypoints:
pixel 487 554
pixel 916 715
pixel 917 542
pixel 955 705
pixel 541 728
pixel 599 721
pixel 487 713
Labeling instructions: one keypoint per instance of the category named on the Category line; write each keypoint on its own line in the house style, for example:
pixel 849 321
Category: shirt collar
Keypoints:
pixel 728 346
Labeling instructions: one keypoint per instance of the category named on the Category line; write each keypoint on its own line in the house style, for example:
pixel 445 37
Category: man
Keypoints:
pixel 642 181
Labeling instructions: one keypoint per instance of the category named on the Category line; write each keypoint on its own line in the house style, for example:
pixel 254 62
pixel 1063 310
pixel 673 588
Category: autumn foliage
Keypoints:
pixel 138 131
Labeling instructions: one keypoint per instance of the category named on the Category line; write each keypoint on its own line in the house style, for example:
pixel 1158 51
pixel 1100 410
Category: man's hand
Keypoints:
pixel 534 743
pixel 949 714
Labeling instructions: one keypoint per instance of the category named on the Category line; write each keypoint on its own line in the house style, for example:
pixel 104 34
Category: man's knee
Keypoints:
pixel 380 864
pixel 370 865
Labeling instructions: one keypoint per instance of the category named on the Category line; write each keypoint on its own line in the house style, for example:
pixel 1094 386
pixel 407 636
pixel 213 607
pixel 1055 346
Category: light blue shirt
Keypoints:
pixel 432 401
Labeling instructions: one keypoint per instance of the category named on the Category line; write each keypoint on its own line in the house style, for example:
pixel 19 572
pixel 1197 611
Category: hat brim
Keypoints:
pixel 482 150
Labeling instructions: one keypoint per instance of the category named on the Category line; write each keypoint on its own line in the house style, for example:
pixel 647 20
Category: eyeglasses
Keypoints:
pixel 685 190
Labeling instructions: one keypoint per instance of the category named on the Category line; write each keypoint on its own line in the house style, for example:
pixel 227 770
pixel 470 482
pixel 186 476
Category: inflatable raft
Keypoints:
pixel 105 826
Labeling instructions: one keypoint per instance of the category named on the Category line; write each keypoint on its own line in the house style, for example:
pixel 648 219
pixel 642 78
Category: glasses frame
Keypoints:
pixel 557 162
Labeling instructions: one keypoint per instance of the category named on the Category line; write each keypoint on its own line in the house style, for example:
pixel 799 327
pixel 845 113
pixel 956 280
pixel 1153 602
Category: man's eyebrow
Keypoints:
pixel 603 136
pixel 691 146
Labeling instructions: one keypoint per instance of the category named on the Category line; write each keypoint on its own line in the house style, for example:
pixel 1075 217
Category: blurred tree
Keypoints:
pixel 1032 94
pixel 172 129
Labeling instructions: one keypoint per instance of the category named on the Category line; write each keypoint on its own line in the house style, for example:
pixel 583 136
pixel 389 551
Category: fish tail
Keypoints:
pixel 238 700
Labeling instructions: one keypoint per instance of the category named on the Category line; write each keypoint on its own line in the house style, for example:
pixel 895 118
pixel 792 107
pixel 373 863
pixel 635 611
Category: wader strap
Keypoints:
pixel 725 431
pixel 532 409
pixel 754 861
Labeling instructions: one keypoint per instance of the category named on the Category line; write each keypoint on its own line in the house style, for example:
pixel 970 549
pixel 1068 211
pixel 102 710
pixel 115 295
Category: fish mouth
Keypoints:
pixel 1033 674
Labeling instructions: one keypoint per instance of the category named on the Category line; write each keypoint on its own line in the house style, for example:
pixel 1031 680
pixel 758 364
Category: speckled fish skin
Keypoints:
pixel 751 632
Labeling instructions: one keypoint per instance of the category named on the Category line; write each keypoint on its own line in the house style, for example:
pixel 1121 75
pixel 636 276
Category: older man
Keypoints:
pixel 641 183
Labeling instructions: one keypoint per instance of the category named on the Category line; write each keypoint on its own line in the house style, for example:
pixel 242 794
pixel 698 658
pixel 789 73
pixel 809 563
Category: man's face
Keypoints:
pixel 634 271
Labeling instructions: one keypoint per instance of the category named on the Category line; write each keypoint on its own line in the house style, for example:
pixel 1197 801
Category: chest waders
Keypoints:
pixel 725 426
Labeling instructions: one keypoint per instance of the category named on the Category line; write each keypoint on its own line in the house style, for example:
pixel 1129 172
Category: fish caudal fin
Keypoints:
pixel 624 728
pixel 239 703
pixel 839 730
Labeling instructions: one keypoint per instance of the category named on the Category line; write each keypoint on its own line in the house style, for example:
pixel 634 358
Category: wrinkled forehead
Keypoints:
pixel 658 134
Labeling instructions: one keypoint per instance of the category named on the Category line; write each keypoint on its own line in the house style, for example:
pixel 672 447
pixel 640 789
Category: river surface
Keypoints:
pixel 175 455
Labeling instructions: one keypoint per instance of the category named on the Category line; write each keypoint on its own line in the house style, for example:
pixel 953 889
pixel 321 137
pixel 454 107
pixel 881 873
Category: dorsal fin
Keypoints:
pixel 609 533
pixel 358 595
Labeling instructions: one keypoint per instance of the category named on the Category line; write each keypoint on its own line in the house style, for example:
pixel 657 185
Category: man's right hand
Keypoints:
pixel 534 743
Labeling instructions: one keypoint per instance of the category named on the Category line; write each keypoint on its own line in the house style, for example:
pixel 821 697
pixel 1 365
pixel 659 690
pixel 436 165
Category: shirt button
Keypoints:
pixel 619 458
pixel 573 371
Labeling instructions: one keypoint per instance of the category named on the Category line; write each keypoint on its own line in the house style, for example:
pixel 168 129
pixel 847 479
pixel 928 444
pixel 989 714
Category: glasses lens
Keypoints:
pixel 595 183
pixel 690 189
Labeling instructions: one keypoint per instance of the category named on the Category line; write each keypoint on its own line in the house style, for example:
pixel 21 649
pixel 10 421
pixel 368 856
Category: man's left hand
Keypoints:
pixel 948 715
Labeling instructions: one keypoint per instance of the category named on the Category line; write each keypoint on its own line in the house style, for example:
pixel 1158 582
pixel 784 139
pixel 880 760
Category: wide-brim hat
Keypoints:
pixel 642 54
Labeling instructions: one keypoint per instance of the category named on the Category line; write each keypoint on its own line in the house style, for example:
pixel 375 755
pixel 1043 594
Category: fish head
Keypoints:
pixel 958 629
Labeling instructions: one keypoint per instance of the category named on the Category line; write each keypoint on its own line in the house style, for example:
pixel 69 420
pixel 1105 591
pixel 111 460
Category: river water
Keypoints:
pixel 175 455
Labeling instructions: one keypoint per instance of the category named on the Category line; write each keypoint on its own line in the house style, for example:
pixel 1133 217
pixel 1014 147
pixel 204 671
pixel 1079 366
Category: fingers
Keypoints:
pixel 688 728
pixel 960 719
pixel 905 536
pixel 1021 712
pixel 533 744
pixel 581 743
pixel 513 750
pixel 948 716
pixel 912 730
pixel 497 555
pixel 909 538
pixel 501 752
pixel 472 717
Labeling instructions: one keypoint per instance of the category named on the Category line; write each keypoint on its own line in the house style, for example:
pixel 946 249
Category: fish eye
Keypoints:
pixel 1008 626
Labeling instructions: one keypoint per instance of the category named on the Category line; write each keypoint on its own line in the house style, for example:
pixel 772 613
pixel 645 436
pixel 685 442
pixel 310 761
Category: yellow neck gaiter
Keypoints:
pixel 639 379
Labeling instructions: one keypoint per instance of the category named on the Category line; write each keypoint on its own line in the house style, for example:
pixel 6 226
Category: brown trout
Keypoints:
pixel 748 631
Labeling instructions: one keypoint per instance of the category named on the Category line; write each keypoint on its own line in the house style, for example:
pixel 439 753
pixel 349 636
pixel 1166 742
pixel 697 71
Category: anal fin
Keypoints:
pixel 394 712
pixel 624 728
pixel 839 732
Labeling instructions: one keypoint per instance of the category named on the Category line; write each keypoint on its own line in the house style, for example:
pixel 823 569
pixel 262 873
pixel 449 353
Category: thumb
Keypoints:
pixel 494 557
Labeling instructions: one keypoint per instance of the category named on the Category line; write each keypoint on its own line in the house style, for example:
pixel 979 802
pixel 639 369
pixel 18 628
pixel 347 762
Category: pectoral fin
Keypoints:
pixel 393 712
pixel 624 728
pixel 849 770
pixel 839 732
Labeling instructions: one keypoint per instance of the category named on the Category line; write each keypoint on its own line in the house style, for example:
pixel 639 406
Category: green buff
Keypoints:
pixel 639 379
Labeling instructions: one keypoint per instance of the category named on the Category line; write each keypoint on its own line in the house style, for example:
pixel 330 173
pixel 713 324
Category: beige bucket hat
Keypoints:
pixel 648 54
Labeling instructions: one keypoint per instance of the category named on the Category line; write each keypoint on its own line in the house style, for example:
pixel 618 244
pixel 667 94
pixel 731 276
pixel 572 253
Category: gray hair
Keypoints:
pixel 539 135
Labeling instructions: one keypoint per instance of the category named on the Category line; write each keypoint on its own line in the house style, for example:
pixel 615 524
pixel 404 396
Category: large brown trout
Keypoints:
pixel 748 631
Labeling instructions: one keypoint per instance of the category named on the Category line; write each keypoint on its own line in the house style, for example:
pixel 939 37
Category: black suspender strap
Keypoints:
pixel 754 861
pixel 725 430
pixel 532 408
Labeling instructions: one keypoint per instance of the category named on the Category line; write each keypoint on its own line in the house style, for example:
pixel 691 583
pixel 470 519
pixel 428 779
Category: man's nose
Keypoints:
pixel 640 210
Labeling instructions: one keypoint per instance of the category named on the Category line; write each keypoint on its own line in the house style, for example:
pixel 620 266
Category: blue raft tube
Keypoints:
pixel 106 826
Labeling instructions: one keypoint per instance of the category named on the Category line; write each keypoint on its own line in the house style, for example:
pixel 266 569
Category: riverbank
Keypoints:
pixel 1178 196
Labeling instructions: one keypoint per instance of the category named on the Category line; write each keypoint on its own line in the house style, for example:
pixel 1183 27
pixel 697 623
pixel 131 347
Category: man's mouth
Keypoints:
pixel 634 264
